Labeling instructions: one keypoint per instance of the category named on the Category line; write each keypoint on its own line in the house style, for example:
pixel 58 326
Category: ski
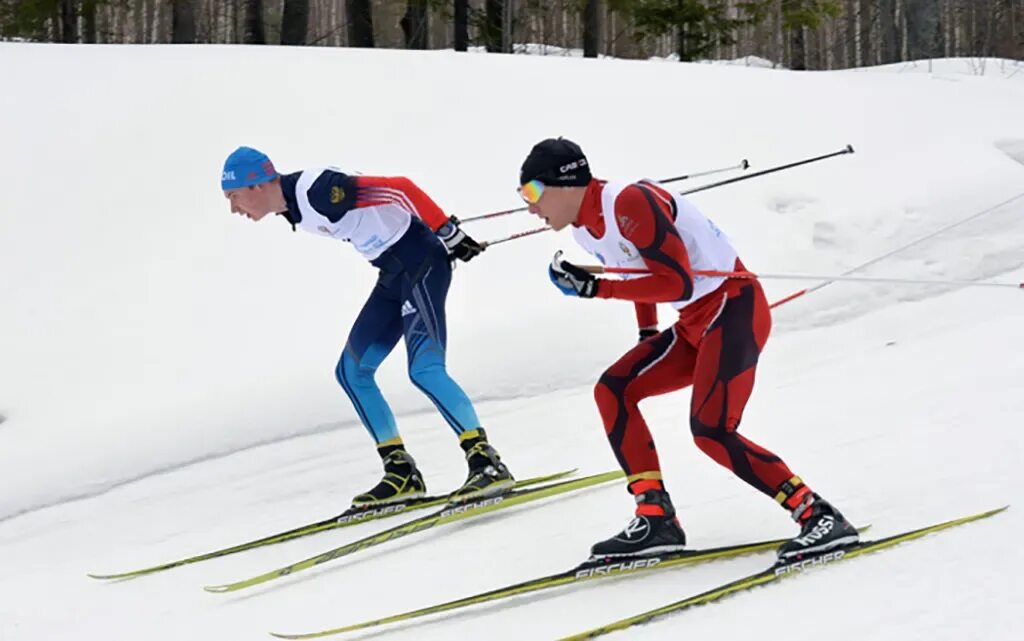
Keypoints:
pixel 587 571
pixel 448 514
pixel 777 572
pixel 352 516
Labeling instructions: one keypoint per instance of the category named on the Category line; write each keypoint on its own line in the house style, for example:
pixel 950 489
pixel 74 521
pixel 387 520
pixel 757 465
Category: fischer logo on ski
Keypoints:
pixel 381 511
pixel 814 561
pixel 458 509
pixel 613 568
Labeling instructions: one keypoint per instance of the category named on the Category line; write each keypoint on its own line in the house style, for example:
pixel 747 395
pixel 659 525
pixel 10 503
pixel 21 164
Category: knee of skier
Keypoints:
pixel 713 442
pixel 427 375
pixel 701 432
pixel 622 389
pixel 610 395
pixel 350 373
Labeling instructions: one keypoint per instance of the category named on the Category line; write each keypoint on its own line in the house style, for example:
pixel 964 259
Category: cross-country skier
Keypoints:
pixel 713 346
pixel 407 237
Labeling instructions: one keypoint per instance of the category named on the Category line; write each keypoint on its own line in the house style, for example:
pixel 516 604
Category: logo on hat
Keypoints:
pixel 576 164
pixel 337 195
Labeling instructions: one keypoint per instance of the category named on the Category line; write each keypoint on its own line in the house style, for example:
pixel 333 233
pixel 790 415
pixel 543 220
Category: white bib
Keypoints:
pixel 708 248
pixel 371 230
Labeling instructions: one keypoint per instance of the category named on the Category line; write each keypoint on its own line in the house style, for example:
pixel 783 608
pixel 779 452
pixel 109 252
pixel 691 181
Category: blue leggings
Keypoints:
pixel 408 300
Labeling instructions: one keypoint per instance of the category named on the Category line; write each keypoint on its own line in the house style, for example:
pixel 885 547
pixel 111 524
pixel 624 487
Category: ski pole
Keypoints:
pixel 488 243
pixel 847 150
pixel 770 170
pixel 601 269
pixel 903 248
pixel 743 165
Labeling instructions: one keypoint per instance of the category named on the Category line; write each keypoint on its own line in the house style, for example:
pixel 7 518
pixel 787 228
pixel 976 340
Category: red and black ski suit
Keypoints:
pixel 713 346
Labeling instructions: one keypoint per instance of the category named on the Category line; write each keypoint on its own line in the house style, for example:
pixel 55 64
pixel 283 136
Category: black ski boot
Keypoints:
pixel 402 480
pixel 654 530
pixel 488 476
pixel 822 528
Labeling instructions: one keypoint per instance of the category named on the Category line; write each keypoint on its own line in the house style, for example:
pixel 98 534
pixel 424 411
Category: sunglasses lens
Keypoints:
pixel 532 191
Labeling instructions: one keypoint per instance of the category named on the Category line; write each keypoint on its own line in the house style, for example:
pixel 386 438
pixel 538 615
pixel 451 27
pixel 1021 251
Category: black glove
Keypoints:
pixel 570 279
pixel 459 244
pixel 648 332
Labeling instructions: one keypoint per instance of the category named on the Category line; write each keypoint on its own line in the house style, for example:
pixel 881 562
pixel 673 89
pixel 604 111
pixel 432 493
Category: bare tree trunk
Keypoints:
pixel 415 24
pixel 360 23
pixel 183 22
pixel 798 49
pixel 591 29
pixel 887 24
pixel 493 26
pixel 89 21
pixel 461 25
pixel 924 29
pixel 139 21
pixel 294 22
pixel 866 18
pixel 850 46
pixel 254 33
pixel 68 21
pixel 151 20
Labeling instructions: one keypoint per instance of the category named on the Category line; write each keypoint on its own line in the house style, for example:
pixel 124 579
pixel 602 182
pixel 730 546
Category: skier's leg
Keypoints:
pixel 375 333
pixel 426 336
pixel 723 381
pixel 661 364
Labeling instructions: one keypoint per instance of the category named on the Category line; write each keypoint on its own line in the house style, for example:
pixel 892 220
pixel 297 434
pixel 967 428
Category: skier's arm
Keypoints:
pixel 380 190
pixel 646 319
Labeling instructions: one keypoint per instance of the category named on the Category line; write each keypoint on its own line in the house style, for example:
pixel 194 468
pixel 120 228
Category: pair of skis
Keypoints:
pixel 595 570
pixel 526 491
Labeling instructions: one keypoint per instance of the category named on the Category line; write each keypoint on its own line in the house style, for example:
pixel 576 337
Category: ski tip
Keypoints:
pixel 286 636
pixel 217 588
pixel 114 577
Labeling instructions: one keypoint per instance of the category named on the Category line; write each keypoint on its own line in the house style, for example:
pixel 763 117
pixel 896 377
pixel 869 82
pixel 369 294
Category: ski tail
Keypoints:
pixel 346 519
pixel 587 571
pixel 449 514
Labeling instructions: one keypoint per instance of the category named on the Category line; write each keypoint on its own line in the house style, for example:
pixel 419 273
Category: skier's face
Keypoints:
pixel 256 201
pixel 557 206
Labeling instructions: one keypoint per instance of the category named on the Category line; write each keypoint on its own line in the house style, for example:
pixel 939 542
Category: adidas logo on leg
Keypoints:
pixel 407 309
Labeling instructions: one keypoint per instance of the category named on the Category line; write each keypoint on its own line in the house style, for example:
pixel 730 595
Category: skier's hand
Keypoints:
pixel 570 279
pixel 460 244
pixel 647 332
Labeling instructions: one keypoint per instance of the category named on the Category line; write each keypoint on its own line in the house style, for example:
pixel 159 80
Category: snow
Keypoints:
pixel 166 369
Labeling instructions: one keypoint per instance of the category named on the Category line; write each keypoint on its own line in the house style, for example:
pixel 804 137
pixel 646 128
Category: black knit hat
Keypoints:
pixel 557 162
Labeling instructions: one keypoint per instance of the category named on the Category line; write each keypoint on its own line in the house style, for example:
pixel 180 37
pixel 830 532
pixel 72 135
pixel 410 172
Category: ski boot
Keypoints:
pixel 822 527
pixel 654 530
pixel 402 481
pixel 488 476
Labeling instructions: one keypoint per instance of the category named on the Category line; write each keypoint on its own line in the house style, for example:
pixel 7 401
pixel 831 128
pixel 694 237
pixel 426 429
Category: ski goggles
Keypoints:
pixel 531 192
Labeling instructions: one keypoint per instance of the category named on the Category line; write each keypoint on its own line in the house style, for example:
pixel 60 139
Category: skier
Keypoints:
pixel 714 344
pixel 405 234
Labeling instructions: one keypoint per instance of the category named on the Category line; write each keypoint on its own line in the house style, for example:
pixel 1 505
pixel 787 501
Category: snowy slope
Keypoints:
pixel 143 328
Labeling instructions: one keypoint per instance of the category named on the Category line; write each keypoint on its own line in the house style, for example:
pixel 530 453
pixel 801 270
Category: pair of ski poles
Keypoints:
pixel 826 279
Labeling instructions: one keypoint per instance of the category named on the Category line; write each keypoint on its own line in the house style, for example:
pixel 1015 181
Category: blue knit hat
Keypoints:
pixel 246 167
